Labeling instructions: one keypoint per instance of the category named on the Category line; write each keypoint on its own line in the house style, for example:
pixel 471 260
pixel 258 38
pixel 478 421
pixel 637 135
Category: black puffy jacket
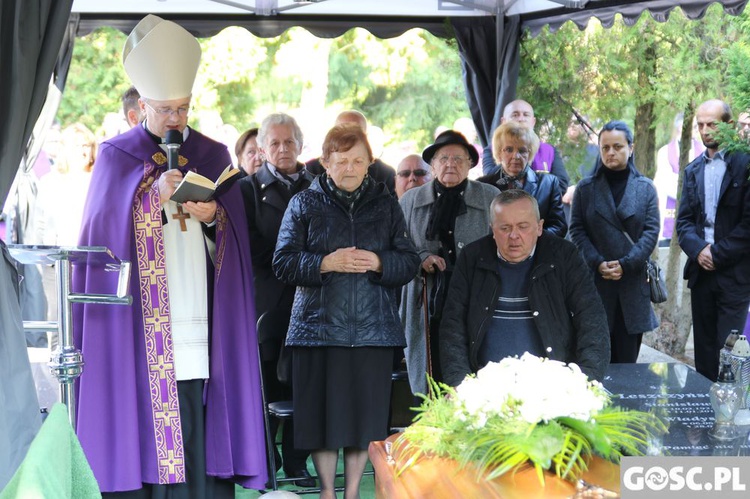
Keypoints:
pixel 341 309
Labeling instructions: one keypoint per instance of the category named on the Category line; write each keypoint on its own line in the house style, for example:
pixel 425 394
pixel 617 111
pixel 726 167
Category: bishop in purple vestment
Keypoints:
pixel 130 419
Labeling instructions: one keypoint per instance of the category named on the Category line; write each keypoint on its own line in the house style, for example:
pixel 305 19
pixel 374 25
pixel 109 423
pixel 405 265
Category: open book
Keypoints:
pixel 196 187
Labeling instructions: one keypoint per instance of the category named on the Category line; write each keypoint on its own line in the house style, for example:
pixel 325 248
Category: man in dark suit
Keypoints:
pixel 713 228
pixel 378 171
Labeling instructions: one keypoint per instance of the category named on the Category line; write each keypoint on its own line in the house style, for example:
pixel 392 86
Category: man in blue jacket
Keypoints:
pixel 521 290
pixel 713 228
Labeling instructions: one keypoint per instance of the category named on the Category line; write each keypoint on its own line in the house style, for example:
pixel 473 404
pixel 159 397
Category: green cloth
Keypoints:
pixel 55 466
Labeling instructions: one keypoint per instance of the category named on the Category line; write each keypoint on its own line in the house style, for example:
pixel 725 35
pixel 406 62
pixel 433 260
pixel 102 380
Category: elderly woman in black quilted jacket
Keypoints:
pixel 343 243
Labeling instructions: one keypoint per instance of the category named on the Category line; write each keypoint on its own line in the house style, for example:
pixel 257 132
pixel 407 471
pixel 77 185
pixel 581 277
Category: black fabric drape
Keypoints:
pixel 490 70
pixel 53 95
pixel 30 35
pixel 65 55
pixel 205 25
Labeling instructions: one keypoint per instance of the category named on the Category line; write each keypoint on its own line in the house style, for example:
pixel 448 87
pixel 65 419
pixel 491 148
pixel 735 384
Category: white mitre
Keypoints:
pixel 161 58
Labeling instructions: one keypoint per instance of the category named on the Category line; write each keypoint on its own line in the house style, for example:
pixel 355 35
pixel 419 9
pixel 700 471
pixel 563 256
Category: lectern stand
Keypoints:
pixel 66 362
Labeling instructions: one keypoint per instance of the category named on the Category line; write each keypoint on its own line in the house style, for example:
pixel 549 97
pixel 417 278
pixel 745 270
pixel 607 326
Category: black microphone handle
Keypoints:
pixel 173 154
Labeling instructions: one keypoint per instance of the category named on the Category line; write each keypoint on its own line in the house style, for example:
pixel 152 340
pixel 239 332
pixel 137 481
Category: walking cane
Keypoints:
pixel 426 312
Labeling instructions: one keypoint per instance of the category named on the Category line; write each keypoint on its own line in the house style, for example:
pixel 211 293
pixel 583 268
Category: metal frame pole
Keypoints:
pixel 66 362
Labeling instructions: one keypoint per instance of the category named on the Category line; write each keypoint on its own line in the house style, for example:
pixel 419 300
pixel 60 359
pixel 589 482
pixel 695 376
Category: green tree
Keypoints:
pixel 96 80
pixel 738 58
pixel 643 74
pixel 398 83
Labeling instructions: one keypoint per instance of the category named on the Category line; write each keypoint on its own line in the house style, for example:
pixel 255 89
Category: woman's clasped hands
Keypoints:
pixel 351 260
pixel 611 270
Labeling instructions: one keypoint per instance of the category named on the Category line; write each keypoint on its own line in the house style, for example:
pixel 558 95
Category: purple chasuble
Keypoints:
pixel 544 158
pixel 128 413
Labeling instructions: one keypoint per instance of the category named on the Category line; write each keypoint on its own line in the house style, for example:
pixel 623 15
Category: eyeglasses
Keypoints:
pixel 523 152
pixel 168 111
pixel 459 160
pixel 408 173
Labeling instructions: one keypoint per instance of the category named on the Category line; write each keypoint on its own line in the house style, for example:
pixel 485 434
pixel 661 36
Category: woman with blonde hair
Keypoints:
pixel 514 147
pixel 62 192
pixel 59 204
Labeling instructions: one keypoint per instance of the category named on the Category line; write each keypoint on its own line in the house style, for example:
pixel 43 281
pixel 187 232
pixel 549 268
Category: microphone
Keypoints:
pixel 173 141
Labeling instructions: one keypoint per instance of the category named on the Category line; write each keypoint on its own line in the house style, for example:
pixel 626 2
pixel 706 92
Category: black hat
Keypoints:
pixel 447 138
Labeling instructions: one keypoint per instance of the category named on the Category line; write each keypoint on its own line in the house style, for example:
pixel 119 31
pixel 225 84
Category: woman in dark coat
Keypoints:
pixel 616 198
pixel 514 147
pixel 343 243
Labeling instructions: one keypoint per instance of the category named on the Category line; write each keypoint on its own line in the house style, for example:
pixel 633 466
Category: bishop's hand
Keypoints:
pixel 168 182
pixel 204 212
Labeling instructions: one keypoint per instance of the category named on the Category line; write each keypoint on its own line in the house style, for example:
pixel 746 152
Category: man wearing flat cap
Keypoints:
pixel 170 396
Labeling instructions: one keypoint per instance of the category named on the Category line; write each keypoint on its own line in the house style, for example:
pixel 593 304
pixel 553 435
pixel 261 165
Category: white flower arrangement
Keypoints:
pixel 535 389
pixel 521 411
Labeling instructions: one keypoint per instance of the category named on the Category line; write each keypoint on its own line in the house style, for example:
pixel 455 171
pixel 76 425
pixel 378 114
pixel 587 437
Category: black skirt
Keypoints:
pixel 341 396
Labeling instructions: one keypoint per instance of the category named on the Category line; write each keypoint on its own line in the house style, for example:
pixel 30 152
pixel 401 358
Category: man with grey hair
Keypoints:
pixel 266 194
pixel 411 172
pixel 521 289
pixel 378 171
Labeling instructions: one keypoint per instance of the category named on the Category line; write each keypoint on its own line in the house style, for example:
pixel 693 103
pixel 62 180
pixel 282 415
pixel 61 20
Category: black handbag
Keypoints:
pixel 656 282
pixel 654 277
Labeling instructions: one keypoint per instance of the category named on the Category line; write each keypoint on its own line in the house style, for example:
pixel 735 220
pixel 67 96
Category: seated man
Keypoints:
pixel 521 290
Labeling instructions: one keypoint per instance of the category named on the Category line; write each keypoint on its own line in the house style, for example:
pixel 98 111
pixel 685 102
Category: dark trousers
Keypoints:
pixel 293 459
pixel 716 312
pixel 434 346
pixel 624 347
pixel 197 485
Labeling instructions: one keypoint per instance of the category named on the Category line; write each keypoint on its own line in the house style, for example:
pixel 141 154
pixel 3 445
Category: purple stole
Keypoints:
pixel 153 293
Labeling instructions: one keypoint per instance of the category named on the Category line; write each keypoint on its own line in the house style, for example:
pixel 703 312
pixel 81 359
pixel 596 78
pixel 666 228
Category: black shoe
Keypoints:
pixel 305 479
